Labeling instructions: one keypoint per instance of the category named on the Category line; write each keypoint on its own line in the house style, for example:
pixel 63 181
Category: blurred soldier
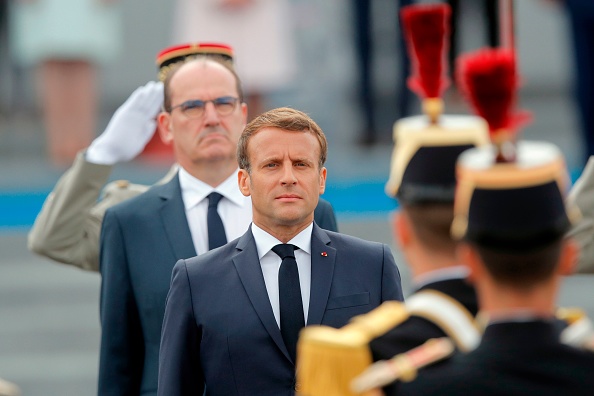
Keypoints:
pixel 512 217
pixel 68 226
pixel 510 212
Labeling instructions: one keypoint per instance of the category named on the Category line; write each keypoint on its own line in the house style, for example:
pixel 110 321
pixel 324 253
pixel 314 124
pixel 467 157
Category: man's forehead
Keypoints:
pixel 193 69
pixel 270 149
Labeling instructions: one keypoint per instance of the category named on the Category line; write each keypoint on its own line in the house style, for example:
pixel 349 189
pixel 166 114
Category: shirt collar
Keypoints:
pixel 265 242
pixel 195 190
pixel 456 272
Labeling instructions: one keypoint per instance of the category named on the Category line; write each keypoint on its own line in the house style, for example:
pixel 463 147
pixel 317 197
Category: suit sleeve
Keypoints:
pixel 582 196
pixel 65 229
pixel 180 370
pixel 391 282
pixel 324 216
pixel 121 356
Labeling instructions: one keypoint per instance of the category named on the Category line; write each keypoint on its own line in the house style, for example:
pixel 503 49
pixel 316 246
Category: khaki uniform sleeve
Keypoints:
pixel 68 227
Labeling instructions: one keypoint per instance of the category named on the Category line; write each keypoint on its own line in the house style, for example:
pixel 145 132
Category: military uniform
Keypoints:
pixel 513 358
pixel 510 209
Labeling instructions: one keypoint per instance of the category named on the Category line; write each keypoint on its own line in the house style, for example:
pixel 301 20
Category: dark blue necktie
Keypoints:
pixel 289 291
pixel 216 230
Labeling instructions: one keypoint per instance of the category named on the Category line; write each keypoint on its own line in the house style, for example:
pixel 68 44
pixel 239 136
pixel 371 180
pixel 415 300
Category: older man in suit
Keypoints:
pixel 200 208
pixel 233 314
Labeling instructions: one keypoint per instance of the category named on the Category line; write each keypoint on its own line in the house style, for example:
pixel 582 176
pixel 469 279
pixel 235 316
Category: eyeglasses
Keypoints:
pixel 195 108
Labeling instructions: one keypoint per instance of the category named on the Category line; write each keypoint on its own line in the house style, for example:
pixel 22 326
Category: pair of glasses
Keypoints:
pixel 195 108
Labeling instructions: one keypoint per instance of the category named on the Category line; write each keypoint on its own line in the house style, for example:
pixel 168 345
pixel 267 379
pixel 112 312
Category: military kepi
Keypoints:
pixel 427 146
pixel 169 56
pixel 510 195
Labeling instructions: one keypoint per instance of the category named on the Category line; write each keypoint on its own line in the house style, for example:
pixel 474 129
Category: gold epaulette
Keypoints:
pixel 329 359
pixel 579 332
pixel 403 366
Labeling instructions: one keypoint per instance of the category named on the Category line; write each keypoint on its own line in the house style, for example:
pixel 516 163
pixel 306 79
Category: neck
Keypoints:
pixel 423 261
pixel 211 173
pixel 281 232
pixel 500 300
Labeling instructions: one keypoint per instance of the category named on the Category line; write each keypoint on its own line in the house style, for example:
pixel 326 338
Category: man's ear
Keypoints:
pixel 470 259
pixel 323 173
pixel 401 229
pixel 164 128
pixel 569 255
pixel 244 114
pixel 243 180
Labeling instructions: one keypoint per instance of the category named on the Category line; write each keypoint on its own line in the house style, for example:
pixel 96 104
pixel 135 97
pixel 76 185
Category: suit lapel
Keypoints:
pixel 323 259
pixel 248 267
pixel 173 215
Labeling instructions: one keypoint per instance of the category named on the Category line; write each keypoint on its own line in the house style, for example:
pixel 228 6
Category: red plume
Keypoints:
pixel 426 28
pixel 488 78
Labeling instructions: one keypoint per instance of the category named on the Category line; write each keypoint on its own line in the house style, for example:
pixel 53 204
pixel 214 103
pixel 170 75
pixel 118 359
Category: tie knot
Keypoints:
pixel 285 250
pixel 213 199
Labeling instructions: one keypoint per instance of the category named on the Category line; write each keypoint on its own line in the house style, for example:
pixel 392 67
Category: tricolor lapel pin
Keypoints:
pixel 324 254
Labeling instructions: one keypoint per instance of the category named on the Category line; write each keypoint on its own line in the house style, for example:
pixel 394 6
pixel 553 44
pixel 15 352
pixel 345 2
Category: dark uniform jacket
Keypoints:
pixel 416 330
pixel 513 358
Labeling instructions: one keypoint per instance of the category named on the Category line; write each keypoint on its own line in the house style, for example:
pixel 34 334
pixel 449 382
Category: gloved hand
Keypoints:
pixel 130 128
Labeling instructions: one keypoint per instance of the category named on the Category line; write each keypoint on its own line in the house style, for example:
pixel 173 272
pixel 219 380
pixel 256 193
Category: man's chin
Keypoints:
pixel 216 154
pixel 293 219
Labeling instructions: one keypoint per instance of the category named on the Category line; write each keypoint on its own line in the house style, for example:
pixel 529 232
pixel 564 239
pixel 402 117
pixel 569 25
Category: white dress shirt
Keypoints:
pixel 270 263
pixel 234 208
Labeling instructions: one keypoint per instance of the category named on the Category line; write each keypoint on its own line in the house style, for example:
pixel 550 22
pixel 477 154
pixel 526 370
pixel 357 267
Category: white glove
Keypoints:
pixel 130 128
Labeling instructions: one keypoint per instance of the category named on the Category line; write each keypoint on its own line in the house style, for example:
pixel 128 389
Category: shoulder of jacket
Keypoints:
pixel 125 187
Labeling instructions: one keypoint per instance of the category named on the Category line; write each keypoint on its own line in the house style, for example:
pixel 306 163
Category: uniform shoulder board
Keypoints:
pixel 579 332
pixel 123 187
pixel 449 315
pixel 403 366
pixel 329 359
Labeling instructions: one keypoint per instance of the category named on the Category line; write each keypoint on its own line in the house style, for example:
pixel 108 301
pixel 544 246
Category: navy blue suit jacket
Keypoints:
pixel 219 331
pixel 141 240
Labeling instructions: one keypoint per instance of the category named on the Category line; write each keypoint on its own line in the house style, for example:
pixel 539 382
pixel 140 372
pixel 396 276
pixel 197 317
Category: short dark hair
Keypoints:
pixel 284 118
pixel 521 269
pixel 202 59
pixel 431 223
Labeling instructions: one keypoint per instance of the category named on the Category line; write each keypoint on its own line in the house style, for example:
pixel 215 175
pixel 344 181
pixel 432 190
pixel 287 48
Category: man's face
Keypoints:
pixel 285 182
pixel 212 137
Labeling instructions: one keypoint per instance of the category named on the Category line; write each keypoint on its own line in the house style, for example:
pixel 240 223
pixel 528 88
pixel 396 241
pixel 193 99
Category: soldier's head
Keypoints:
pixel 512 216
pixel 423 180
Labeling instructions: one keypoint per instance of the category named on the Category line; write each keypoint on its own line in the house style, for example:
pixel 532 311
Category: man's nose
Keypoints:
pixel 211 117
pixel 288 176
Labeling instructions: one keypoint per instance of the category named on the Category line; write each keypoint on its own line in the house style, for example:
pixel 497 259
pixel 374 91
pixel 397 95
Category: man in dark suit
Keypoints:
pixel 512 217
pixel 201 207
pixel 233 314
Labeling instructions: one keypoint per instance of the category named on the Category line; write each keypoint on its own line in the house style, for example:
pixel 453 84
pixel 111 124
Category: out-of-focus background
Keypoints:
pixel 49 327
